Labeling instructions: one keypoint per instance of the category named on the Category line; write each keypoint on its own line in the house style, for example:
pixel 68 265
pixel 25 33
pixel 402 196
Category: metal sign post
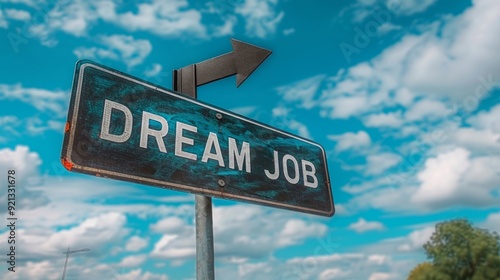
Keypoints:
pixel 241 62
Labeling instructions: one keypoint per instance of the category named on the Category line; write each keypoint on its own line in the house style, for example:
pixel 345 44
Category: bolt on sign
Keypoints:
pixel 125 128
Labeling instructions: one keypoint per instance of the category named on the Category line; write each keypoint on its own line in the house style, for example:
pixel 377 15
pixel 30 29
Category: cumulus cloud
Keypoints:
pixel 380 162
pixel 236 237
pixel 3 21
pixel 261 17
pixel 25 163
pixel 437 66
pixel 158 17
pixel 350 140
pixel 391 119
pixel 42 99
pixel 408 7
pixel 416 239
pixel 362 226
pixel 154 70
pixel 454 177
pixel 118 47
pixel 171 18
pixel 302 92
pixel 488 120
pixel 16 14
pixel 136 243
pixel 492 222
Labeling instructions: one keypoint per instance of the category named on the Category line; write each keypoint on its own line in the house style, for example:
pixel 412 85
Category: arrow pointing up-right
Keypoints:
pixel 246 59
pixel 242 61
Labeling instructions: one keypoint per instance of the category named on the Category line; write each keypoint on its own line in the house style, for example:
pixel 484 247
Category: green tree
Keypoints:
pixel 463 252
pixel 427 271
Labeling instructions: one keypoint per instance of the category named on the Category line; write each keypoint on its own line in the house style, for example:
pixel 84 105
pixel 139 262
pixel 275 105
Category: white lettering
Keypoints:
pixel 276 168
pixel 106 121
pixel 241 156
pixel 158 134
pixel 295 166
pixel 180 140
pixel 213 141
pixel 309 173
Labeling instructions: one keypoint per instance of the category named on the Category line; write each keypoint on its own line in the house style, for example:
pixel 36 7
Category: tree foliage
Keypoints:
pixel 426 271
pixel 460 251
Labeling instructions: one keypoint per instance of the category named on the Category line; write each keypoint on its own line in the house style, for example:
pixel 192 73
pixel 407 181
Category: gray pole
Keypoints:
pixel 204 239
pixel 65 264
pixel 184 81
pixel 242 61
pixel 68 252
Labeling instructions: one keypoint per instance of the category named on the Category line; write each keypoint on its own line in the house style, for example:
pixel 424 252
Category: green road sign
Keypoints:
pixel 124 128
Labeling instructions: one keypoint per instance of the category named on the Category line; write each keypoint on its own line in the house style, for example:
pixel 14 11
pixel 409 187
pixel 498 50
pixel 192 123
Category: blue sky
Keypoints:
pixel 403 96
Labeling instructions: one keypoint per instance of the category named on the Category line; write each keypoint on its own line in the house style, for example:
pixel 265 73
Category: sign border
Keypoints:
pixel 71 124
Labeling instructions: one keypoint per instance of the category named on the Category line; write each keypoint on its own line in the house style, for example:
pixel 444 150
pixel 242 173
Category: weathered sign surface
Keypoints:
pixel 124 128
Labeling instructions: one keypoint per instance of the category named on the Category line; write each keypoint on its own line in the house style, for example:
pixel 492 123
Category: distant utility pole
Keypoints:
pixel 68 253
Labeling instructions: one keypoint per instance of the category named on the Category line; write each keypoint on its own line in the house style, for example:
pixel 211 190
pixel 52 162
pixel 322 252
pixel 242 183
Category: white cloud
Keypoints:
pixel 94 233
pixel 245 111
pixel 118 47
pixel 175 246
pixel 17 14
pixel 380 162
pixel 362 226
pixel 235 236
pixel 261 17
pixel 288 31
pixel 226 29
pixel 296 230
pixel 380 276
pixel 426 108
pixel 25 164
pixel 416 239
pixel 3 22
pixel 154 70
pixel 299 127
pixel 445 66
pixel 172 18
pixel 365 8
pixel 132 261
pixel 387 27
pixel 390 119
pixel 475 140
pixel 457 178
pixel 169 19
pixel 9 124
pixel 408 7
pixel 488 120
pixel 42 99
pixel 36 125
pixel 139 274
pixel 22 160
pixel 133 51
pixel 169 225
pixel 350 140
pixel 250 268
pixel 441 176
pixel 8 120
pixel 332 273
pixel 343 266
pixel 492 222
pixel 136 243
pixel 438 64
pixel 302 91
pixel 280 111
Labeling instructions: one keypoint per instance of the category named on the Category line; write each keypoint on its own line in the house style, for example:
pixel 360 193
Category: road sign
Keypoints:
pixel 125 128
